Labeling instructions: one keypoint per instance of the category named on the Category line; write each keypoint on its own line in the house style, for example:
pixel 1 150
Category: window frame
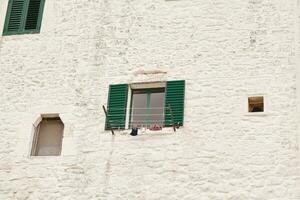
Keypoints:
pixel 147 91
pixel 23 19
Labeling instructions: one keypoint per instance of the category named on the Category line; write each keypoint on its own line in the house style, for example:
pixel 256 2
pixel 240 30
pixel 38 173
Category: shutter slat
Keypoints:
pixel 175 92
pixel 116 107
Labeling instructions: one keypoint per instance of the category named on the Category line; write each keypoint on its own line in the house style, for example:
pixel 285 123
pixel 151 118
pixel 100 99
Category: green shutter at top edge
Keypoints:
pixel 116 107
pixel 175 94
pixel 22 18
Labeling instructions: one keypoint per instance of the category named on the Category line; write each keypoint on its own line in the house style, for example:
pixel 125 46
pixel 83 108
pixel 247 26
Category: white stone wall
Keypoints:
pixel 225 50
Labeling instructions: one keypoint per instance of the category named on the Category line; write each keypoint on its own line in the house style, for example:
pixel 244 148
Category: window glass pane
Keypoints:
pixel 139 108
pixel 147 108
pixel 157 108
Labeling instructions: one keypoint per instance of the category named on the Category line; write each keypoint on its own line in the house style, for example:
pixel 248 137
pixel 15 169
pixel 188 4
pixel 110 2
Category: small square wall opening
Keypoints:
pixel 256 104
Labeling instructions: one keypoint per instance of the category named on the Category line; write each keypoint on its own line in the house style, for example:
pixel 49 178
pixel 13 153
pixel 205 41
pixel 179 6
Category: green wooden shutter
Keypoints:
pixel 34 15
pixel 23 16
pixel 14 16
pixel 116 106
pixel 175 91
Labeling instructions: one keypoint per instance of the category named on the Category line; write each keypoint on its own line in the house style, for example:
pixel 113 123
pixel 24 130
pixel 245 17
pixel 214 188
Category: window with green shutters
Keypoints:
pixel 23 16
pixel 148 106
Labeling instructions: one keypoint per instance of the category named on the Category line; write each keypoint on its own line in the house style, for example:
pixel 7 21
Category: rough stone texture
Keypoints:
pixel 226 50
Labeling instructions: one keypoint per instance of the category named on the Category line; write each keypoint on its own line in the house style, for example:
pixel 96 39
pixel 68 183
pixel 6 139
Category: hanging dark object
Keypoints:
pixel 134 132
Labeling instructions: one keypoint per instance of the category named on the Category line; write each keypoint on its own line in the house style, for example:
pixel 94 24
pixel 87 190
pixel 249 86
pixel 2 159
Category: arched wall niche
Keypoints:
pixel 48 135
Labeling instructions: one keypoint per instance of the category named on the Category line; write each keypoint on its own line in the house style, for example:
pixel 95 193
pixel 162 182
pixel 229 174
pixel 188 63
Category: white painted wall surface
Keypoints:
pixel 225 50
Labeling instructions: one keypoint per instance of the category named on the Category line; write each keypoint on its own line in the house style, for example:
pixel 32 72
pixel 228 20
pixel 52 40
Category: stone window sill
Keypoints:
pixel 257 114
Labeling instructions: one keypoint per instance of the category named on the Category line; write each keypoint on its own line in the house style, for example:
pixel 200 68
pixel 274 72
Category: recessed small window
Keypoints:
pixel 256 104
pixel 48 136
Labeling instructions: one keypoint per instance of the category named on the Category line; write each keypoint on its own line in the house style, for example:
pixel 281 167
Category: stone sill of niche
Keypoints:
pixel 46 157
